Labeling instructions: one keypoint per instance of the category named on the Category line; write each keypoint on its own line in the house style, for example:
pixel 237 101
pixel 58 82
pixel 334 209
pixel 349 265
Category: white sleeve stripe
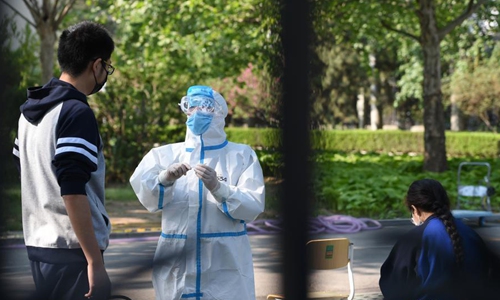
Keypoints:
pixel 77 150
pixel 16 142
pixel 76 140
pixel 15 152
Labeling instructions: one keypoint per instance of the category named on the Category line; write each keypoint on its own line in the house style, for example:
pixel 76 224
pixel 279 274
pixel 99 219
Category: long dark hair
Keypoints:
pixel 430 196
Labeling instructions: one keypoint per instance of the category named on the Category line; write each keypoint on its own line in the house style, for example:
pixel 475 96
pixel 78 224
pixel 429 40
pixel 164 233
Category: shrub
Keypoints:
pixel 374 185
pixel 458 144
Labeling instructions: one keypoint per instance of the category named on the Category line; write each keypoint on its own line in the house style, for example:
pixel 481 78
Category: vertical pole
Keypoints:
pixel 295 201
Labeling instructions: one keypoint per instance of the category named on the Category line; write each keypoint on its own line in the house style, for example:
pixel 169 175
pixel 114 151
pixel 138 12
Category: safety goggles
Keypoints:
pixel 190 104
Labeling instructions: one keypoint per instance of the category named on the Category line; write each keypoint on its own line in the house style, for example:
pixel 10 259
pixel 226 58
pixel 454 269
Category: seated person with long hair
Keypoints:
pixel 442 258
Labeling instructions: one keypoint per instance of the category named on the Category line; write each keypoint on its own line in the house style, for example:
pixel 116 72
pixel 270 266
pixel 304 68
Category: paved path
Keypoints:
pixel 129 261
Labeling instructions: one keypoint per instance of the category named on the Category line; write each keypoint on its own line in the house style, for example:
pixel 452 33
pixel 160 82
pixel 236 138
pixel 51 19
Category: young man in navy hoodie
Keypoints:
pixel 59 154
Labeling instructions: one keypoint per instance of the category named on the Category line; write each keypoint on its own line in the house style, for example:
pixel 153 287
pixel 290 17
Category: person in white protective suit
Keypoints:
pixel 207 190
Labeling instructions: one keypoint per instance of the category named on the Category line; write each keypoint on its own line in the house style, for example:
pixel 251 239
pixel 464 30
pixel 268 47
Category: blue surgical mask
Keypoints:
pixel 199 122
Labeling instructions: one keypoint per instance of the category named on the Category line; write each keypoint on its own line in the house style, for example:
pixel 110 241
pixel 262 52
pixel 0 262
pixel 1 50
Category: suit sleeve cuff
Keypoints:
pixel 222 193
pixel 73 187
pixel 162 178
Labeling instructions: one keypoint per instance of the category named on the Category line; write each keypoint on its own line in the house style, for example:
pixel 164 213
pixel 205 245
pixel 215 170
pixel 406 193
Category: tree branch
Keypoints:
pixel 402 32
pixel 484 117
pixel 34 9
pixel 54 8
pixel 64 11
pixel 46 11
pixel 19 13
pixel 471 7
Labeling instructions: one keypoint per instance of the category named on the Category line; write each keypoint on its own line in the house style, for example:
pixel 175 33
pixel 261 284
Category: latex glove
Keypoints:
pixel 173 172
pixel 208 176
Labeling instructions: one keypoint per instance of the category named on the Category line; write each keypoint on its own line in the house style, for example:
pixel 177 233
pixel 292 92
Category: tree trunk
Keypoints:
pixel 47 16
pixel 47 40
pixel 434 135
pixel 374 115
pixel 360 107
pixel 455 114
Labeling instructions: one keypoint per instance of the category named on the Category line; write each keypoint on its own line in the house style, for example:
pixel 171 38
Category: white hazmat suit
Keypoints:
pixel 203 251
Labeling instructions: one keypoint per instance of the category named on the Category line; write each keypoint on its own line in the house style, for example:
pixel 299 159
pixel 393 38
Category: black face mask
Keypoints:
pixel 98 86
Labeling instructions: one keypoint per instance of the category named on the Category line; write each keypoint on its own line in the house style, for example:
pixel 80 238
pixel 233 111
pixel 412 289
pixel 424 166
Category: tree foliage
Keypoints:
pixel 249 98
pixel 478 89
pixel 371 25
pixel 163 47
pixel 47 16
pixel 19 69
pixel 337 88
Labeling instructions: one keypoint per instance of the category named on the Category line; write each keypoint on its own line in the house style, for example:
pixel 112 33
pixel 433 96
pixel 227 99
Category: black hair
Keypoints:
pixel 81 44
pixel 430 196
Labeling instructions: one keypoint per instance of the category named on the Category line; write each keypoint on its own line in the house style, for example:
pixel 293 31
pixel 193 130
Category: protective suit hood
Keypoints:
pixel 215 134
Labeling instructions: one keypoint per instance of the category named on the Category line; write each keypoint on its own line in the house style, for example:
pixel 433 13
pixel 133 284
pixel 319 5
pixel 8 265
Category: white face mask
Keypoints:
pixel 416 223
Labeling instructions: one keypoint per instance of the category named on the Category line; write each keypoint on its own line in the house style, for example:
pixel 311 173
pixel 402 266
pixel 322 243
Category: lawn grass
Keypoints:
pixel 120 192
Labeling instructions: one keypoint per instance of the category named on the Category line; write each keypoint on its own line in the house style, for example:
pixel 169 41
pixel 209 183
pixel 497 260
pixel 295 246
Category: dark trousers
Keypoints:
pixel 62 282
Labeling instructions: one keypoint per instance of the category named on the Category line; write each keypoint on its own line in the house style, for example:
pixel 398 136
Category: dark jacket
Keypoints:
pixel 422 265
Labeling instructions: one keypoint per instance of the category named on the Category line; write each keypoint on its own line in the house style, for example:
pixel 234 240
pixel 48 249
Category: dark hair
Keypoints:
pixel 430 196
pixel 81 44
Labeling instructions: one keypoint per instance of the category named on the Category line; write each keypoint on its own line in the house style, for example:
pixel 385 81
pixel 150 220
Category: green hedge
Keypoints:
pixel 458 144
pixel 473 144
pixel 258 138
pixel 123 155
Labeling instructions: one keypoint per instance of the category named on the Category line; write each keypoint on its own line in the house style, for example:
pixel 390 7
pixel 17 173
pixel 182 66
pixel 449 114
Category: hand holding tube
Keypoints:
pixel 208 176
pixel 173 172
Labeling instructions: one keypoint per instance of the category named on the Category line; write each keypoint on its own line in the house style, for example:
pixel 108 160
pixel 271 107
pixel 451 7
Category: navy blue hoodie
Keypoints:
pixel 58 150
pixel 422 265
